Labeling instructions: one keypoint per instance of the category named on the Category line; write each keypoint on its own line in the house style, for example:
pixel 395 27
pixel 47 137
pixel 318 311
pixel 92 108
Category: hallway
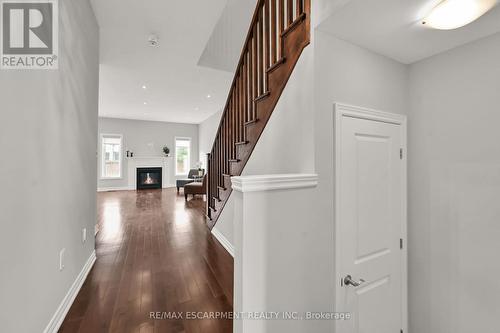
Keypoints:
pixel 154 254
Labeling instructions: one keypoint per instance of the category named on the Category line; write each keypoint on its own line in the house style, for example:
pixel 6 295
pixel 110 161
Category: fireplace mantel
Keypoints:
pixel 149 162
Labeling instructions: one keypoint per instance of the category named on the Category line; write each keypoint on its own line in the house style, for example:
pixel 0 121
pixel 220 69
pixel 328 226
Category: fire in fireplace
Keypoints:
pixel 149 178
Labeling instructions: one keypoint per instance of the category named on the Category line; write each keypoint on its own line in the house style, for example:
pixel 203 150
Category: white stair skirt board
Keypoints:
pixel 223 240
pixel 62 310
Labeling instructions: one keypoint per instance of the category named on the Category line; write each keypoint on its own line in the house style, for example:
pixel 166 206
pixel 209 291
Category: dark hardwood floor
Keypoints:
pixel 154 254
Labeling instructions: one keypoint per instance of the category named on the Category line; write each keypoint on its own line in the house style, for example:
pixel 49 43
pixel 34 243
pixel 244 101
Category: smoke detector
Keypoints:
pixel 153 40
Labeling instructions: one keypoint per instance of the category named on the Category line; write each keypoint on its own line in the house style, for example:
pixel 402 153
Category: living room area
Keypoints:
pixel 141 155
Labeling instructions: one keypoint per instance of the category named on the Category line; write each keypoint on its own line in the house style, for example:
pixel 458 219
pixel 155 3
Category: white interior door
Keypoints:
pixel 370 221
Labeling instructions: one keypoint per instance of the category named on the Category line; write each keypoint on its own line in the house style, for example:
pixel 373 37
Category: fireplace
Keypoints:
pixel 149 178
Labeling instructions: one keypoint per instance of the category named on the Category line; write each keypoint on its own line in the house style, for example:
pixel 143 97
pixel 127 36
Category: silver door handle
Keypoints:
pixel 349 281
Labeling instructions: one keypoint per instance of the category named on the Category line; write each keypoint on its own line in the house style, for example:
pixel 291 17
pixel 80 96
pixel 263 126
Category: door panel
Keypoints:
pixel 369 225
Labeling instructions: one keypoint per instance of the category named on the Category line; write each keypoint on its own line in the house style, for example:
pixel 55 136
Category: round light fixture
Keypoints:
pixel 453 14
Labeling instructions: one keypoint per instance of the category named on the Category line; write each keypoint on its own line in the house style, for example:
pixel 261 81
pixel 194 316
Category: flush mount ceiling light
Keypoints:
pixel 453 14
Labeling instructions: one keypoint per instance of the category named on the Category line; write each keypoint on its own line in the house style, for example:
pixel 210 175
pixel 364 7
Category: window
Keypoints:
pixel 182 155
pixel 111 156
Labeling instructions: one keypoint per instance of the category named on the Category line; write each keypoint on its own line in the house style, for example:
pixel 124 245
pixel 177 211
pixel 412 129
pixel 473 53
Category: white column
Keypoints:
pixel 272 249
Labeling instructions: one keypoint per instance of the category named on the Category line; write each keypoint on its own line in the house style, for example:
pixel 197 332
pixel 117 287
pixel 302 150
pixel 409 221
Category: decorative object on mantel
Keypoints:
pixel 128 153
pixel 166 150
pixel 131 154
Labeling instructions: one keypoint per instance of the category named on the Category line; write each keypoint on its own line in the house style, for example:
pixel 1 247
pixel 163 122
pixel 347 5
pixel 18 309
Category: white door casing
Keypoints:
pixel 370 220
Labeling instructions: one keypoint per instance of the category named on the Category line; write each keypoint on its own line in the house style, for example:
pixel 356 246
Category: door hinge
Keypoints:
pixel 401 243
pixel 401 153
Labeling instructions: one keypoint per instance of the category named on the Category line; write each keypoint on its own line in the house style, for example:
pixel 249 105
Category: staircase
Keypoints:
pixel 279 31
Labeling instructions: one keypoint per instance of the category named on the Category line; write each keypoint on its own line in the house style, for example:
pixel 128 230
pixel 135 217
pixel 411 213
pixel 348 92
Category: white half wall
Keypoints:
pixel 454 188
pixel 146 139
pixel 275 252
pixel 48 140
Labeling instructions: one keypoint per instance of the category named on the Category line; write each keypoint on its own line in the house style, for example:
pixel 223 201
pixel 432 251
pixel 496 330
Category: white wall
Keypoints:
pixel 348 74
pixel 454 188
pixel 48 132
pixel 146 138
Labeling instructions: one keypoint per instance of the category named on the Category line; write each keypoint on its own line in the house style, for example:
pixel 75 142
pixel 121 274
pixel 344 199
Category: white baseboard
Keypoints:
pixel 62 310
pixel 108 189
pixel 224 242
pixel 125 188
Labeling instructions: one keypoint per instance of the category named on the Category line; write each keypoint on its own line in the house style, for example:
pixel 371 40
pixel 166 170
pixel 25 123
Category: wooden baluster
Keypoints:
pixel 289 10
pixel 281 25
pixel 250 81
pixel 241 105
pixel 223 150
pixel 211 178
pixel 261 53
pixel 226 145
pixel 230 116
pixel 236 124
pixel 299 7
pixel 235 101
pixel 216 162
pixel 245 94
pixel 255 75
pixel 207 212
pixel 273 32
pixel 237 111
pixel 219 169
pixel 226 157
pixel 267 44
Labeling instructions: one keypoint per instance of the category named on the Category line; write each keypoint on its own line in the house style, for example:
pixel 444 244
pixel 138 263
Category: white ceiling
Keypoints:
pixel 392 28
pixel 177 87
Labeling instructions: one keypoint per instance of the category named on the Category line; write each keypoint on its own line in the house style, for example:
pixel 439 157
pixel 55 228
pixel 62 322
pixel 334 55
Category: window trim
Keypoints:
pixel 102 136
pixel 190 152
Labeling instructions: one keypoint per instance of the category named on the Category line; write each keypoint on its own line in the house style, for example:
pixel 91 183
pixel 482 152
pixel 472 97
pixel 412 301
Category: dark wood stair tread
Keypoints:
pixel 251 122
pixel 294 25
pixel 261 97
pixel 276 64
